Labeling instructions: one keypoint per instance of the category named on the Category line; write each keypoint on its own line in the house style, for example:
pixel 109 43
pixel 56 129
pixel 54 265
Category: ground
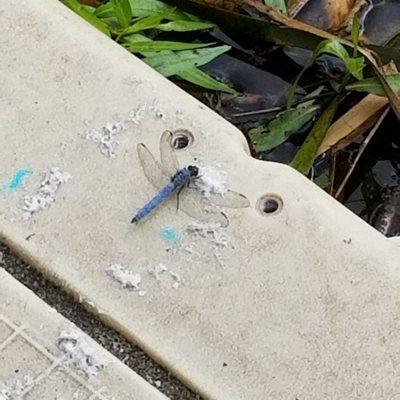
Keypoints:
pixel 111 340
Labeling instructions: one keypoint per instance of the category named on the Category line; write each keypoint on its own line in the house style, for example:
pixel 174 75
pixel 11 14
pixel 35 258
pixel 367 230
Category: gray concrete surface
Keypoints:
pixel 44 356
pixel 130 354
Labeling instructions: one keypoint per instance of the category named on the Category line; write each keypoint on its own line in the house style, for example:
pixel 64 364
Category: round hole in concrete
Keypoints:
pixel 270 204
pixel 181 138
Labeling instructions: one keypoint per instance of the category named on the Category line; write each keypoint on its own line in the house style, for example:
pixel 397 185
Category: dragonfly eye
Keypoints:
pixel 194 171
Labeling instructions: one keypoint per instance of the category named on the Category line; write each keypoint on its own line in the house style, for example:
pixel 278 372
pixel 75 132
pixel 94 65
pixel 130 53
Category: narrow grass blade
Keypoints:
pixel 161 45
pixel 374 86
pixel 123 12
pixel 200 78
pixel 279 5
pixel 305 157
pixel 286 124
pixel 74 5
pixel 169 64
pixel 184 26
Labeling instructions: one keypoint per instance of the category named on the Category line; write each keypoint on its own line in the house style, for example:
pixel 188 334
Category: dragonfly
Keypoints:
pixel 171 180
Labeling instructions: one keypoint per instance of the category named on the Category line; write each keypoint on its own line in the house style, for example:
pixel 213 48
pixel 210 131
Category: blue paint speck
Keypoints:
pixel 18 178
pixel 170 236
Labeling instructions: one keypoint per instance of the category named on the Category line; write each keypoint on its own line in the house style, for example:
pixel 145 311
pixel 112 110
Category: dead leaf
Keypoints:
pixel 331 16
pixel 93 3
pixel 361 152
pixel 225 4
pixel 355 122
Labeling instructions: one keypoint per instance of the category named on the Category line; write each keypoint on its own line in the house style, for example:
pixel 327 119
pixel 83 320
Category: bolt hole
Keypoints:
pixel 181 138
pixel 270 204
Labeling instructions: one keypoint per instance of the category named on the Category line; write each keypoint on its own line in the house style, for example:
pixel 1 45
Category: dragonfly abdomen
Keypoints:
pixel 177 181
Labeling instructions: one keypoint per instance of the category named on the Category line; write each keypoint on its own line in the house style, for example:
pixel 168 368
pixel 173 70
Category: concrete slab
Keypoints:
pixel 44 356
pixel 302 303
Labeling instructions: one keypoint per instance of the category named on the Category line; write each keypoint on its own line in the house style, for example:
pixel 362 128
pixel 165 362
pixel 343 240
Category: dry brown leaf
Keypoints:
pixel 290 22
pixel 230 5
pixel 363 146
pixel 329 15
pixel 93 3
pixel 359 119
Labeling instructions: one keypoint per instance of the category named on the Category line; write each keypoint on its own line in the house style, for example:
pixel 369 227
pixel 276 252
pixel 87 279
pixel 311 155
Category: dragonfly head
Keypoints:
pixel 194 171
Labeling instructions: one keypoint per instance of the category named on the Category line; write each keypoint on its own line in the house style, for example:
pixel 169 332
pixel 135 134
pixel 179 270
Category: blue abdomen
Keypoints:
pixel 177 181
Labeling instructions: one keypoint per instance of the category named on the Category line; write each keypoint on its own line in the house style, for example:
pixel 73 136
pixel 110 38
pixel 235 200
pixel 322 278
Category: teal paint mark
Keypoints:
pixel 170 236
pixel 18 178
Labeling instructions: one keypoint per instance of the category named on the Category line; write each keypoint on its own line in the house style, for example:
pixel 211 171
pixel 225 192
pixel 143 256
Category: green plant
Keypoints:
pixel 135 23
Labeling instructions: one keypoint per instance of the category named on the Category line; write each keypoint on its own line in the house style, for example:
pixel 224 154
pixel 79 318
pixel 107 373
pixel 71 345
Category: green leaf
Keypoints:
pixel 169 64
pixel 200 78
pixel 282 127
pixel 354 65
pixel 144 8
pixel 87 15
pixel 356 31
pixel 193 75
pixel 256 28
pixel 123 12
pixel 104 11
pixel 184 26
pixel 149 22
pixel 279 5
pixel 374 86
pixel 161 45
pixel 305 157
pixel 89 8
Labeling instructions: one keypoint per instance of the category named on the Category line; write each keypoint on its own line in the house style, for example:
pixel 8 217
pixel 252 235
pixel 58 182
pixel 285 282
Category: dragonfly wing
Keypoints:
pixel 151 167
pixel 193 203
pixel 169 161
pixel 228 199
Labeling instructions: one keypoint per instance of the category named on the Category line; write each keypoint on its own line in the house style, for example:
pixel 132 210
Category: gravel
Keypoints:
pixel 127 352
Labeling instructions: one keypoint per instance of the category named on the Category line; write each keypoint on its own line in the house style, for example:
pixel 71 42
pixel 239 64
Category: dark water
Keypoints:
pixel 263 76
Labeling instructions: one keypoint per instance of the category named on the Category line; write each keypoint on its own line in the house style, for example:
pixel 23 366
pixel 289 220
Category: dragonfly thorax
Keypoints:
pixel 194 171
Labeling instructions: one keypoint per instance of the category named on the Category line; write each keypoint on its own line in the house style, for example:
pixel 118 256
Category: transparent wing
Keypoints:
pixel 193 203
pixel 169 161
pixel 229 199
pixel 151 167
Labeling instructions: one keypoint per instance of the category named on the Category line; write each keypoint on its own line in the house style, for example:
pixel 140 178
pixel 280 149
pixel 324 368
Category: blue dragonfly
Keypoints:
pixel 169 179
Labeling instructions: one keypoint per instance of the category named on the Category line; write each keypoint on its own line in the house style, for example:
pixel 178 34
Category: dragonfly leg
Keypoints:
pixel 177 196
pixel 191 186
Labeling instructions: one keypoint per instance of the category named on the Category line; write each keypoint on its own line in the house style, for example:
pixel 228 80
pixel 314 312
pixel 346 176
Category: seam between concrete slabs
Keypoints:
pixel 127 352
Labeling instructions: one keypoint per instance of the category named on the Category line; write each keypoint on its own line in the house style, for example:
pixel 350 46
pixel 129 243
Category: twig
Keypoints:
pixel 281 108
pixel 361 152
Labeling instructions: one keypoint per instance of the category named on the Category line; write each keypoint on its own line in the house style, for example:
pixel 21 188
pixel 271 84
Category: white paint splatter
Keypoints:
pixel 212 181
pixel 144 110
pixel 162 273
pixel 124 276
pixel 3 395
pixel 17 388
pixel 177 279
pixel 106 138
pixel 47 192
pixel 156 111
pixel 79 354
pixel 137 115
pixel 157 271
